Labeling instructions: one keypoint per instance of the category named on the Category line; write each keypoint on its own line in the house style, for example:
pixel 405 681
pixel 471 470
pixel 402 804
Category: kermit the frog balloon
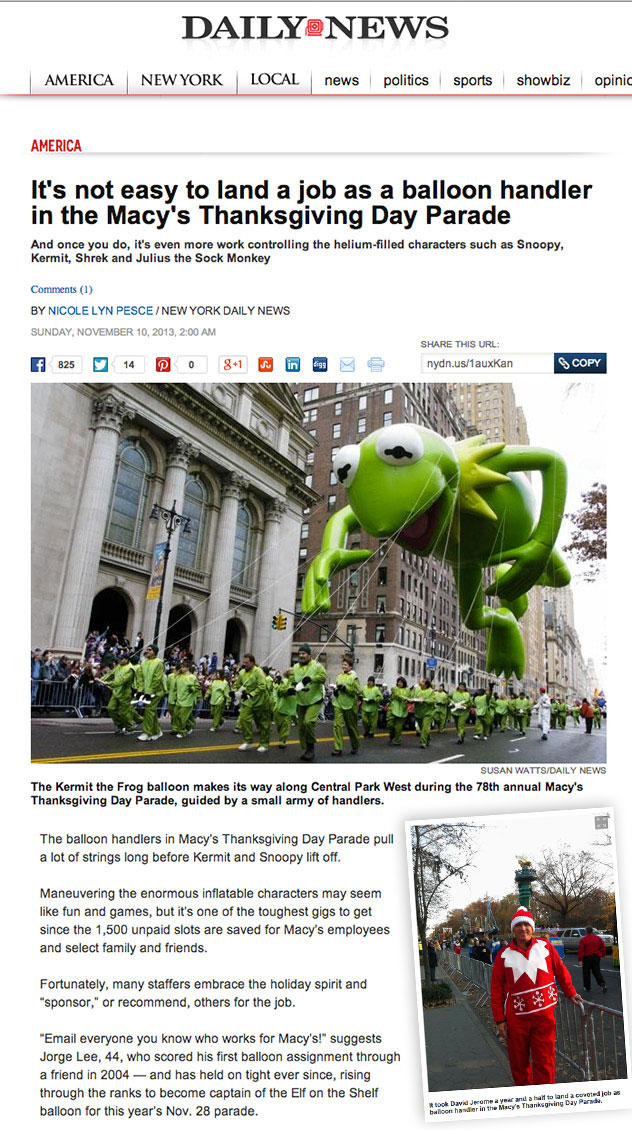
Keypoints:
pixel 467 503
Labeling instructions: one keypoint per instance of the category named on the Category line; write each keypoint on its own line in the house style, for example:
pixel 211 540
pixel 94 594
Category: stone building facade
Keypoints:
pixel 567 672
pixel 231 458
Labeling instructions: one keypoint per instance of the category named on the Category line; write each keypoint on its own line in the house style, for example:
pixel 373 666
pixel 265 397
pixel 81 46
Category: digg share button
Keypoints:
pixel 580 363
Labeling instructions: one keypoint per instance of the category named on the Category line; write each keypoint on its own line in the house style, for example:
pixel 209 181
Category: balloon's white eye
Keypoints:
pixel 399 444
pixel 346 463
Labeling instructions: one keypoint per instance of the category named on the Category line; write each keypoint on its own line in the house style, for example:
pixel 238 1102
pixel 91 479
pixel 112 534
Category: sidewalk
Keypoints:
pixel 461 1054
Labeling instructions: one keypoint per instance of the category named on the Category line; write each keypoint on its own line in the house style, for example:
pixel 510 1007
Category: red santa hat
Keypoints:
pixel 522 915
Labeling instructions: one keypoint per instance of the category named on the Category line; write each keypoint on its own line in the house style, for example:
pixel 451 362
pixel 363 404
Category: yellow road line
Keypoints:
pixel 114 756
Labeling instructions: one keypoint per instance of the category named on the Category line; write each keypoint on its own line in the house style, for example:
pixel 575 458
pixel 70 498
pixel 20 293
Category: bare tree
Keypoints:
pixel 589 536
pixel 440 852
pixel 567 880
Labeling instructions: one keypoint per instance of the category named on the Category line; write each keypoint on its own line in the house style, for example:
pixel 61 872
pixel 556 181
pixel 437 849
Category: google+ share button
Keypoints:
pixel 580 362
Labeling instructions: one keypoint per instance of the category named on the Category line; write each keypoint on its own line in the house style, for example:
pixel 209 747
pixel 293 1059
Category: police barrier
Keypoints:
pixel 49 695
pixel 57 694
pixel 591 1039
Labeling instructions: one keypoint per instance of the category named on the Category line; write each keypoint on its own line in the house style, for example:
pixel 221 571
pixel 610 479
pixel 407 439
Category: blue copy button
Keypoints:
pixel 580 363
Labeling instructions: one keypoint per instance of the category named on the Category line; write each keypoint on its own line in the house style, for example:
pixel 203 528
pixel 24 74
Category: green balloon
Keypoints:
pixel 468 503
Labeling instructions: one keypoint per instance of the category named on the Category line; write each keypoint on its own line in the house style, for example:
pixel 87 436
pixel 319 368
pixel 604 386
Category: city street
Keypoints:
pixel 56 740
pixel 612 977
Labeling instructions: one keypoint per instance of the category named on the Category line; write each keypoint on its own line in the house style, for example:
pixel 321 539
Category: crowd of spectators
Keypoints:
pixel 64 682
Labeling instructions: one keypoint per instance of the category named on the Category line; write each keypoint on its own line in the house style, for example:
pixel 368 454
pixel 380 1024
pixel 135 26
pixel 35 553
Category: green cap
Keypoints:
pixel 304 647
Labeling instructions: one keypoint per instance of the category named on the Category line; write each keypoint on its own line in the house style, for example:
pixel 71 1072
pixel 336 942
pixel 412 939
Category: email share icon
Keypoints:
pixel 347 364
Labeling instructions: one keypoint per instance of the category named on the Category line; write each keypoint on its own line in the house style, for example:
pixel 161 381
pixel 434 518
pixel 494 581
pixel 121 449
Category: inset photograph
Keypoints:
pixel 380 572
pixel 516 945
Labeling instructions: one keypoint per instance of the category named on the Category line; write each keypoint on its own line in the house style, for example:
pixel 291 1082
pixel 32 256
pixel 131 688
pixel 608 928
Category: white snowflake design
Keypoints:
pixel 552 993
pixel 519 1004
pixel 538 999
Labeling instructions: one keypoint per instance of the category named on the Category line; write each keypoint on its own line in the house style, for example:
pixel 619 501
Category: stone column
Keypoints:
pixel 234 488
pixel 180 453
pixel 265 640
pixel 109 413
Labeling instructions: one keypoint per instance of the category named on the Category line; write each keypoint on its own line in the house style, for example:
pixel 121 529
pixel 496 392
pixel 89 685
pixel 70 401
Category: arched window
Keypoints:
pixel 129 492
pixel 243 546
pixel 194 506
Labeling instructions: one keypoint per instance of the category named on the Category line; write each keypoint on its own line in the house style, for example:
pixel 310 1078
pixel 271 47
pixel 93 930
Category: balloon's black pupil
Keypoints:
pixel 398 452
pixel 343 472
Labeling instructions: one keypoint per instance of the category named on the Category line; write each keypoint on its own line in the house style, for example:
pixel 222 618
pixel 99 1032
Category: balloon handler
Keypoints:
pixel 309 681
pixel 122 680
pixel 251 694
pixel 523 998
pixel 371 702
pixel 460 708
pixel 186 692
pixel 218 694
pixel 347 691
pixel 284 706
pixel 151 684
pixel 467 503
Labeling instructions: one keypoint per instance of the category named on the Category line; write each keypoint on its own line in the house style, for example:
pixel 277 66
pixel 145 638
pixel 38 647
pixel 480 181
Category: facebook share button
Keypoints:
pixel 579 363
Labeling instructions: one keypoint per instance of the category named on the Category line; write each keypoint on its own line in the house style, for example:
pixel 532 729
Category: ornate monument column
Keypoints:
pixel 525 879
pixel 263 640
pixel 109 414
pixel 234 489
pixel 180 454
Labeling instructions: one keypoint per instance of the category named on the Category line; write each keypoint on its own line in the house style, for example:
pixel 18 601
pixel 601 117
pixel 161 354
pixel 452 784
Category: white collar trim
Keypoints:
pixel 530 963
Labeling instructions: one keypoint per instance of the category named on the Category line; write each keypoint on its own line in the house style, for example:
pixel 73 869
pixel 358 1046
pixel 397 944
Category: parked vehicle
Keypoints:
pixel 572 935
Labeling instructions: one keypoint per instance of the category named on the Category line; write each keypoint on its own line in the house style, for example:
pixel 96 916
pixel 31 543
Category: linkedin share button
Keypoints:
pixel 579 363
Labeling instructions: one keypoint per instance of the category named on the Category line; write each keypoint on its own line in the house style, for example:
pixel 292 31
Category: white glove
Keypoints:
pixel 299 687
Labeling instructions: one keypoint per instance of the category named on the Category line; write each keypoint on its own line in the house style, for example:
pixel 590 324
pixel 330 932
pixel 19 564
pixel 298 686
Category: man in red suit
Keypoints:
pixel 523 998
pixel 591 950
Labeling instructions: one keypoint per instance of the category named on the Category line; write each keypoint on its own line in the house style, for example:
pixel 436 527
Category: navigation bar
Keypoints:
pixel 361 81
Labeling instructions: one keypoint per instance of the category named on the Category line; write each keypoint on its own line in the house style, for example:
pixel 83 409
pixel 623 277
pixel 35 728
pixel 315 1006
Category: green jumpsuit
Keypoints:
pixel 255 704
pixel 501 708
pixel 122 680
pixel 284 708
pixel 575 715
pixel 309 700
pixel 441 700
pixel 597 716
pixel 423 698
pixel 397 712
pixel 151 681
pixel 346 711
pixel 186 692
pixel 562 714
pixel 171 696
pixel 512 715
pixel 523 713
pixel 371 699
pixel 461 702
pixel 218 694
pixel 555 709
pixel 483 716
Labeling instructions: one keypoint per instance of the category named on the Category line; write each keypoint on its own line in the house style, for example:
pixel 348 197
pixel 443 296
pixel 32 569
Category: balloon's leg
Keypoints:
pixel 505 649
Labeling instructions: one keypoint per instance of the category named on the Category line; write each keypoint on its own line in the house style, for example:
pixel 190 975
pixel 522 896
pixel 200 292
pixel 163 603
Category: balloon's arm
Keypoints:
pixel 332 558
pixel 531 559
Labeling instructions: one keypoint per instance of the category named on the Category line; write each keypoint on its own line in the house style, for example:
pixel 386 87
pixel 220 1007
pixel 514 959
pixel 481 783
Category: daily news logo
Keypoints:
pixel 331 27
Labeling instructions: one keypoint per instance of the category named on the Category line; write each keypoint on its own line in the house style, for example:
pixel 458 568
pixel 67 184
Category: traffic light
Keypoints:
pixel 275 622
pixel 279 622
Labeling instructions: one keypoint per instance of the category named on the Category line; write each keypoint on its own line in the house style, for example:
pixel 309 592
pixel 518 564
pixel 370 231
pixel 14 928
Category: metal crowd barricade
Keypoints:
pixel 606 1041
pixel 590 1039
pixel 55 694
